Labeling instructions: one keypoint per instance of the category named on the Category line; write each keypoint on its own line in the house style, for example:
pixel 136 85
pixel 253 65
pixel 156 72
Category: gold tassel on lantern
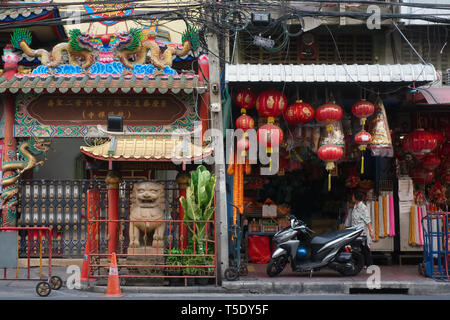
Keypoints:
pixel 330 166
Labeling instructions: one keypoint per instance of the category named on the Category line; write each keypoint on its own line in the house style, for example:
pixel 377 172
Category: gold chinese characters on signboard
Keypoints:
pixel 94 109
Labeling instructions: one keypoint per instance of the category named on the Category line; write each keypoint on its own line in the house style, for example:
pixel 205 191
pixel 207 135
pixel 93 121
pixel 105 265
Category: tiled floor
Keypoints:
pixel 405 273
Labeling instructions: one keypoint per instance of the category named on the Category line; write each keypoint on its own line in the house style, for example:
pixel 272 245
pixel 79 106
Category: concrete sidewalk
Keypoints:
pixel 394 279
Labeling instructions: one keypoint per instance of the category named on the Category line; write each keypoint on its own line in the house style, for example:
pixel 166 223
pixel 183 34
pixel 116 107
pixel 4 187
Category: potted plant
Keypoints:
pixel 189 261
pixel 175 264
pixel 198 206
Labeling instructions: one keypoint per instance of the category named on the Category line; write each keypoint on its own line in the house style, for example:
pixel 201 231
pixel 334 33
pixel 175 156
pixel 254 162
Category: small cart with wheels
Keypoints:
pixel 34 239
pixel 436 264
pixel 239 267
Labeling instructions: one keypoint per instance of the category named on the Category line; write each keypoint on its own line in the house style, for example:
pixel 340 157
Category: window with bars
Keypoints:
pixel 352 49
pixel 430 43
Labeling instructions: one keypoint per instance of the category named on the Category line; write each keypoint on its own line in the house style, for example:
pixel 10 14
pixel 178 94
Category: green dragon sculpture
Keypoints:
pixel 144 40
pixel 26 161
pixel 76 50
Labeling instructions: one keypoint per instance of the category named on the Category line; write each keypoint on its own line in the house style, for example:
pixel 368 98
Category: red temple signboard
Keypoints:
pixel 94 109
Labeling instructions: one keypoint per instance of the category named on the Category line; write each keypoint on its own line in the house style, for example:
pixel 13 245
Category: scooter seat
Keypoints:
pixel 320 240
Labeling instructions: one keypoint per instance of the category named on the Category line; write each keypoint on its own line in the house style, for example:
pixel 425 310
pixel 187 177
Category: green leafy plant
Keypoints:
pixel 198 205
pixel 174 261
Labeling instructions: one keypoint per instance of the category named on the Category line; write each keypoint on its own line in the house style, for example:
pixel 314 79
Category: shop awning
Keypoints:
pixel 101 83
pixel 330 73
pixel 432 95
pixel 159 148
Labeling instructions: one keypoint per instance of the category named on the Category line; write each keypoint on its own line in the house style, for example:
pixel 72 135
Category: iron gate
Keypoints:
pixel 61 205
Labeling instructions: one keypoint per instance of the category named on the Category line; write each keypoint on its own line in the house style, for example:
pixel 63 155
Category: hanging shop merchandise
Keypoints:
pixel 309 137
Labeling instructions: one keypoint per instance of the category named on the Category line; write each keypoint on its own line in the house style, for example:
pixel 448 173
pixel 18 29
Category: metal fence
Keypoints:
pixel 167 260
pixel 62 206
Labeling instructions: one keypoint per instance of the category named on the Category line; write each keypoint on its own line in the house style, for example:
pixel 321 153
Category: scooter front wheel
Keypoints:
pixel 275 266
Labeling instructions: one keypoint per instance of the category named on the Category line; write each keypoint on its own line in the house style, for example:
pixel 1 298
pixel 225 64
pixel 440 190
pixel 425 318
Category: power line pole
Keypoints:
pixel 219 166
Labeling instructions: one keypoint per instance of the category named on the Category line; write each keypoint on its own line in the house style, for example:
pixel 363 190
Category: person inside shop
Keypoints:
pixel 360 216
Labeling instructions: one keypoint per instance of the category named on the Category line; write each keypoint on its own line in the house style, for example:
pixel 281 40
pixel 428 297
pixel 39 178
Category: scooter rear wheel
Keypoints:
pixel 275 266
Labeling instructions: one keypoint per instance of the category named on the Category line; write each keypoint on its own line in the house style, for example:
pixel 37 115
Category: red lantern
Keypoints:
pixel 431 162
pixel 363 109
pixel 271 104
pixel 245 99
pixel 422 176
pixel 330 153
pixel 446 178
pixel 299 113
pixel 444 153
pixel 439 136
pixel 329 113
pixel 419 143
pixel 243 145
pixel 245 122
pixel 266 135
pixel 363 138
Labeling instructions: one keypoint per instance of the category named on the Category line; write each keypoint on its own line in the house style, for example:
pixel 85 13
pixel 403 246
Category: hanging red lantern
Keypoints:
pixel 446 178
pixel 328 114
pixel 444 153
pixel 330 154
pixel 299 113
pixel 422 176
pixel 271 104
pixel 363 109
pixel 439 136
pixel 245 99
pixel 419 143
pixel 243 145
pixel 245 122
pixel 363 138
pixel 431 162
pixel 266 135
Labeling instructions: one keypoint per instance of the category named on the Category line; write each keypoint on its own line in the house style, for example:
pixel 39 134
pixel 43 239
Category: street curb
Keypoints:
pixel 160 290
pixel 280 287
pixel 288 287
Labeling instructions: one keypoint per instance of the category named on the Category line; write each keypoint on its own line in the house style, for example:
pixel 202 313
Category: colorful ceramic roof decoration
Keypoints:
pixel 135 52
pixel 154 148
pixel 109 10
pixel 39 83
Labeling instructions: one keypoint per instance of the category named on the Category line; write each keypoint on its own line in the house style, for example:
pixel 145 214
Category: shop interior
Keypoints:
pixel 302 188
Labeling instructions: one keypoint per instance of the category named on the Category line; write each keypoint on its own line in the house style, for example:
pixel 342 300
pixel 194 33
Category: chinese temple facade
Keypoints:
pixel 57 147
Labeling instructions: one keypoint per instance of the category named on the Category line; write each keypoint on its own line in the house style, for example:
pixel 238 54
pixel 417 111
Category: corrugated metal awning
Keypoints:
pixel 330 73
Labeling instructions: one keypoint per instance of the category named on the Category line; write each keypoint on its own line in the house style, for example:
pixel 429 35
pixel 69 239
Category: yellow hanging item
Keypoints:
pixel 377 227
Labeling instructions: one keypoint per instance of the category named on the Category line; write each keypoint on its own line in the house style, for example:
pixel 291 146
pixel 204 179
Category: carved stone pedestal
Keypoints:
pixel 145 271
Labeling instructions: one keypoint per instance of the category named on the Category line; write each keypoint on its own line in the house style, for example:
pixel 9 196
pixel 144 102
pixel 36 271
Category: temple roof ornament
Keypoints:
pixel 134 52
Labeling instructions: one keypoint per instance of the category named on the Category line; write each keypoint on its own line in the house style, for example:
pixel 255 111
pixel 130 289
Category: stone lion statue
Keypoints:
pixel 147 203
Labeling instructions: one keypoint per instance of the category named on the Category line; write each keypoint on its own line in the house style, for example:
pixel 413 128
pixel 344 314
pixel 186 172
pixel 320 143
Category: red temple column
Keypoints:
pixel 112 183
pixel 10 60
pixel 183 182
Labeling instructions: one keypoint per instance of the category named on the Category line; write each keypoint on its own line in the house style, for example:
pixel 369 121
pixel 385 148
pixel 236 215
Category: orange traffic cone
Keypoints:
pixel 84 278
pixel 113 288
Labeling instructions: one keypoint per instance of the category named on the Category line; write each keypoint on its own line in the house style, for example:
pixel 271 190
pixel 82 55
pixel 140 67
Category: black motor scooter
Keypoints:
pixel 339 250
